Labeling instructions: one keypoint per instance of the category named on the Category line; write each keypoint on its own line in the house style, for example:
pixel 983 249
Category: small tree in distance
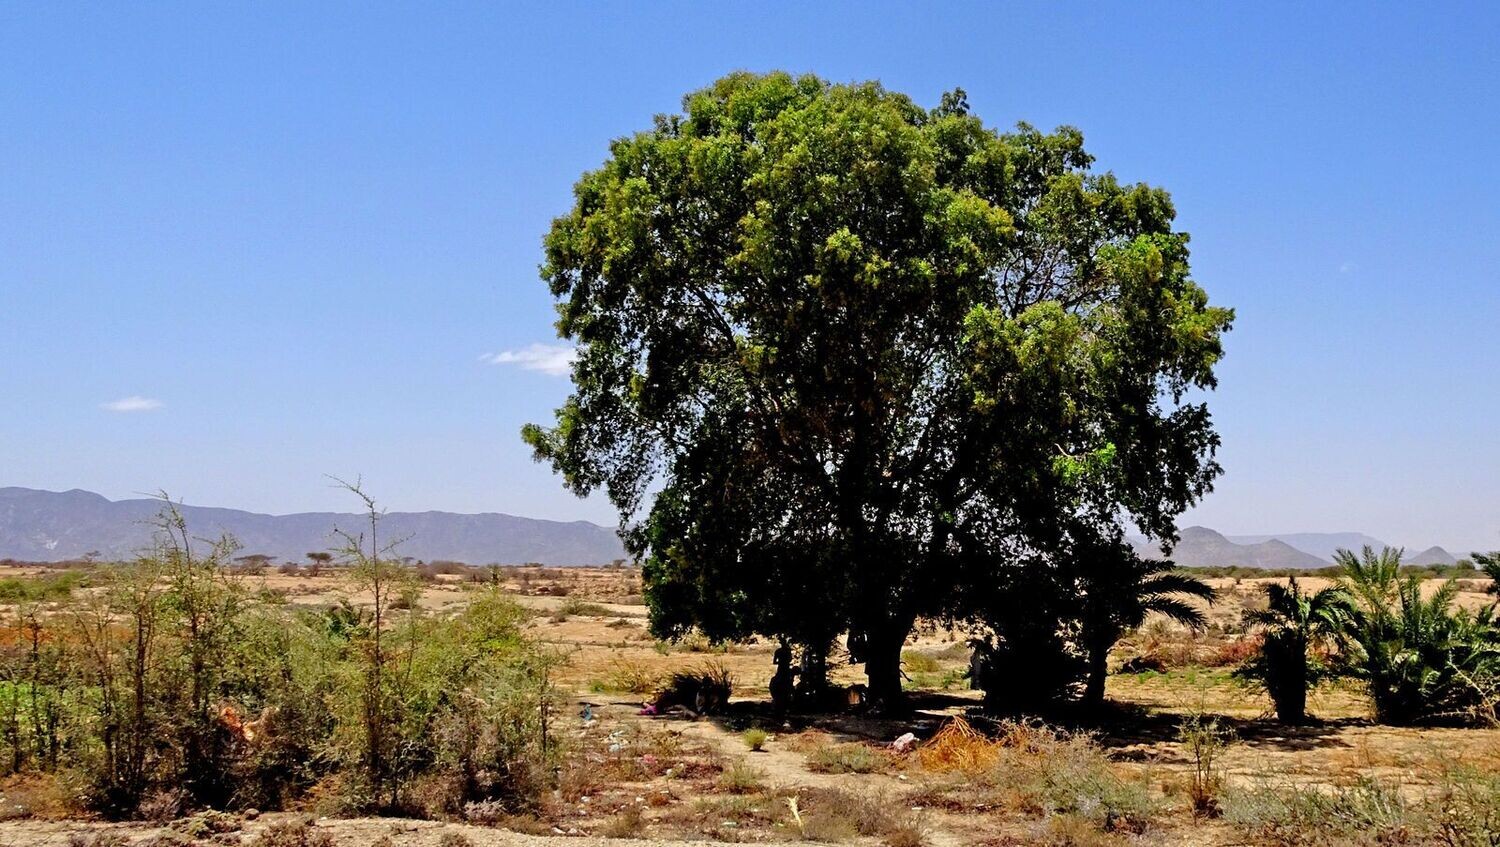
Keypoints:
pixel 318 560
pixel 1490 564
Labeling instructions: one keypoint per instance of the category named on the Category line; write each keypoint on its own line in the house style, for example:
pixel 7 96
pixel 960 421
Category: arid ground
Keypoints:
pixel 836 778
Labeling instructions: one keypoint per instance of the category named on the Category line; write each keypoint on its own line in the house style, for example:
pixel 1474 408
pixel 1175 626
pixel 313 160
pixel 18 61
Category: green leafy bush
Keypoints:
pixel 1297 629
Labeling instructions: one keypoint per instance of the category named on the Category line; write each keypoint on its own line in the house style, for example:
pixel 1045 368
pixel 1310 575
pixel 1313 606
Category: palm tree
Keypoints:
pixel 1374 579
pixel 1420 658
pixel 1120 590
pixel 1293 624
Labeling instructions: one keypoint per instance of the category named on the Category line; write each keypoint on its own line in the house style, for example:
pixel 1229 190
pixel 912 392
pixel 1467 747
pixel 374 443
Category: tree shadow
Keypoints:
pixel 925 714
pixel 1127 732
pixel 1139 734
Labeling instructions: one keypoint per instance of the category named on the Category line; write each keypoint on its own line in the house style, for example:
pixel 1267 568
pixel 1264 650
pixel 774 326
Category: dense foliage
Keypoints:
pixel 1421 658
pixel 844 361
pixel 169 685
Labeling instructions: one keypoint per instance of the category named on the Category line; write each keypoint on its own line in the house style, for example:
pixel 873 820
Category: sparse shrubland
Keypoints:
pixel 1462 809
pixel 48 587
pixel 171 685
pixel 1038 772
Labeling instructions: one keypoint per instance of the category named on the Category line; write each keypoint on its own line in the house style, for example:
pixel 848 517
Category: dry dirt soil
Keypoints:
pixel 682 780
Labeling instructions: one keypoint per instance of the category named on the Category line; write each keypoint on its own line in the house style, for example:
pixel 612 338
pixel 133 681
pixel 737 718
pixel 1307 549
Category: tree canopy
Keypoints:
pixel 844 361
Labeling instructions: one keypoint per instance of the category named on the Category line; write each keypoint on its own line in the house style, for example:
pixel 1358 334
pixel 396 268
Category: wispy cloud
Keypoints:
pixel 133 403
pixel 552 359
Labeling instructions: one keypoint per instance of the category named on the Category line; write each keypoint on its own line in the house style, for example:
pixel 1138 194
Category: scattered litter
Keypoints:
pixel 905 743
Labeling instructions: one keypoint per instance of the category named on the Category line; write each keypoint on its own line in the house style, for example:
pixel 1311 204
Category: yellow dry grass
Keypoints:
pixel 960 747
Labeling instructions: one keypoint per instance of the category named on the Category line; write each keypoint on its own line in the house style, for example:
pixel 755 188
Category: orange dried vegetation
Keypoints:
pixel 959 747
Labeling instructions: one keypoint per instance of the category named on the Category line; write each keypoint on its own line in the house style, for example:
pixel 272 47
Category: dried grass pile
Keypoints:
pixel 959 747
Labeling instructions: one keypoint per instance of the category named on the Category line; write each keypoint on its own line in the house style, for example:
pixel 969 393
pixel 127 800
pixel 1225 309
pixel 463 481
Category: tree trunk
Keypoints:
pixel 883 667
pixel 1291 706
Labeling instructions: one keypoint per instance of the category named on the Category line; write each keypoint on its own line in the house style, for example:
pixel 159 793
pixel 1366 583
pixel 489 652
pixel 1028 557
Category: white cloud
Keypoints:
pixel 133 403
pixel 552 359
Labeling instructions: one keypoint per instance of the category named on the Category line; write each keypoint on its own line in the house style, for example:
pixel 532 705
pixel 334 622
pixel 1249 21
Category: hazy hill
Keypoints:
pixel 50 526
pixel 1202 547
pixel 1430 556
pixel 1320 544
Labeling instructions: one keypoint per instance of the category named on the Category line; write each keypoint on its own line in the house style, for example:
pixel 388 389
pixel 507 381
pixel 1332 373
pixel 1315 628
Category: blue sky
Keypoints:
pixel 243 246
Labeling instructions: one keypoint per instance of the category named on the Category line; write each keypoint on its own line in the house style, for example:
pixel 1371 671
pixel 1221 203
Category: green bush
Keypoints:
pixel 1297 630
pixel 755 738
pixel 47 587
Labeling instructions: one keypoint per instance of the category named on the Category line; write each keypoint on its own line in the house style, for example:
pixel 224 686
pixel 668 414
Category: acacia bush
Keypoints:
pixel 171 686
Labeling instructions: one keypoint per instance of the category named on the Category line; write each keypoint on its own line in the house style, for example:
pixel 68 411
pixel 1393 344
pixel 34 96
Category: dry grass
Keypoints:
pixel 836 815
pixel 741 778
pixel 852 757
pixel 958 747
pixel 633 677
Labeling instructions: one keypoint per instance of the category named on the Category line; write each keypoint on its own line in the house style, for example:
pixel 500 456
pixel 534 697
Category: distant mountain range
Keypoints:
pixel 1203 547
pixel 53 526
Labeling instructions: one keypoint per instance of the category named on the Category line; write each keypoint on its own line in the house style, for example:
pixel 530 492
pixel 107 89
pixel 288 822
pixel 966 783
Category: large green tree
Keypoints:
pixel 843 359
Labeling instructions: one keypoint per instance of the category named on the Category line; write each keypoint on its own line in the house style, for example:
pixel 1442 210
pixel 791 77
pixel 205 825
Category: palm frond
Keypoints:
pixel 1490 564
pixel 1177 582
pixel 1178 610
